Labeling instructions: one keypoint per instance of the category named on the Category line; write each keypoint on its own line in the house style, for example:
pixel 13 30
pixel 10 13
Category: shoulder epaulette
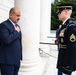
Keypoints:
pixel 72 25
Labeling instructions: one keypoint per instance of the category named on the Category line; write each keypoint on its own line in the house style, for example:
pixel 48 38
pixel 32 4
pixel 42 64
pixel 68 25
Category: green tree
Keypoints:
pixel 55 22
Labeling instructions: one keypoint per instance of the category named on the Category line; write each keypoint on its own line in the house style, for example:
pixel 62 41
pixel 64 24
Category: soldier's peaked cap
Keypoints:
pixel 64 6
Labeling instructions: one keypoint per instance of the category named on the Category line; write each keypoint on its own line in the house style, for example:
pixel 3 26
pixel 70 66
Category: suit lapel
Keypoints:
pixel 9 25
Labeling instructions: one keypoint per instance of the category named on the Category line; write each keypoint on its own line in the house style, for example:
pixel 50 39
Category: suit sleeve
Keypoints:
pixel 6 36
pixel 57 32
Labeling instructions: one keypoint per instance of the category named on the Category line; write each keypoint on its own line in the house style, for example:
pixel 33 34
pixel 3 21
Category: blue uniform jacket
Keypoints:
pixel 57 33
pixel 11 46
pixel 67 52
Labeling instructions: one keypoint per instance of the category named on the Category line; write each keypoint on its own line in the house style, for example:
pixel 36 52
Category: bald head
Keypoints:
pixel 12 10
pixel 14 14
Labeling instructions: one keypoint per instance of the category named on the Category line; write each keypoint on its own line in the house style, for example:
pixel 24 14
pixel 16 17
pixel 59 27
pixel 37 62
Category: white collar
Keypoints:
pixel 12 22
pixel 64 21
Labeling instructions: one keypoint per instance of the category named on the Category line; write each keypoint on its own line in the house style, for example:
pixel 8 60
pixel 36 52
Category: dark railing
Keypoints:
pixel 47 43
pixel 40 50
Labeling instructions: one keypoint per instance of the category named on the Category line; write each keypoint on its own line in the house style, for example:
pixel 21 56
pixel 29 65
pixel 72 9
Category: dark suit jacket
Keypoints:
pixel 11 46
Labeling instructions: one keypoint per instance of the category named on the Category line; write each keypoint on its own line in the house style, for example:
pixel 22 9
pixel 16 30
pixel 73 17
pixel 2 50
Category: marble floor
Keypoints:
pixel 50 60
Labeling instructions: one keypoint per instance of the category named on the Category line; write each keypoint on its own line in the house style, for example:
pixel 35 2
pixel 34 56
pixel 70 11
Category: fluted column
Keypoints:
pixel 45 23
pixel 30 25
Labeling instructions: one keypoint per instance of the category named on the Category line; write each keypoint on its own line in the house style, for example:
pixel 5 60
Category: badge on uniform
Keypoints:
pixel 62 33
pixel 72 38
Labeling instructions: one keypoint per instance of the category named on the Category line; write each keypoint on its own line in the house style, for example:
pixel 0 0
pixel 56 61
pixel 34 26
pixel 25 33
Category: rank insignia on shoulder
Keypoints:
pixel 72 38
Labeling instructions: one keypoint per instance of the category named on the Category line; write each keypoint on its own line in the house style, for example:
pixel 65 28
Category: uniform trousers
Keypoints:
pixel 61 73
pixel 9 69
pixel 66 74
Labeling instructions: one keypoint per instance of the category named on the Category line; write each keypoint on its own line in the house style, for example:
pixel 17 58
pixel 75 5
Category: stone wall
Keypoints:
pixel 5 6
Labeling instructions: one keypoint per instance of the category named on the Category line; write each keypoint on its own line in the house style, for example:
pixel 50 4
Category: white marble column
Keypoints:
pixel 30 25
pixel 45 24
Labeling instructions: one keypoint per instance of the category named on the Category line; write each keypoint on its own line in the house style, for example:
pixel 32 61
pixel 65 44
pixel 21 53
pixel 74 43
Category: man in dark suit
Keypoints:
pixel 66 63
pixel 11 46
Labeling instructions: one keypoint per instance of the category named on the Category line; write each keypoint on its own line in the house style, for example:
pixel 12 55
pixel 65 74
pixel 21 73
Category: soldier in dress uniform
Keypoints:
pixel 66 63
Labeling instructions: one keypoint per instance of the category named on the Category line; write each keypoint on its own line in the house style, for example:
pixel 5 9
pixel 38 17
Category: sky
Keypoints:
pixel 52 1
